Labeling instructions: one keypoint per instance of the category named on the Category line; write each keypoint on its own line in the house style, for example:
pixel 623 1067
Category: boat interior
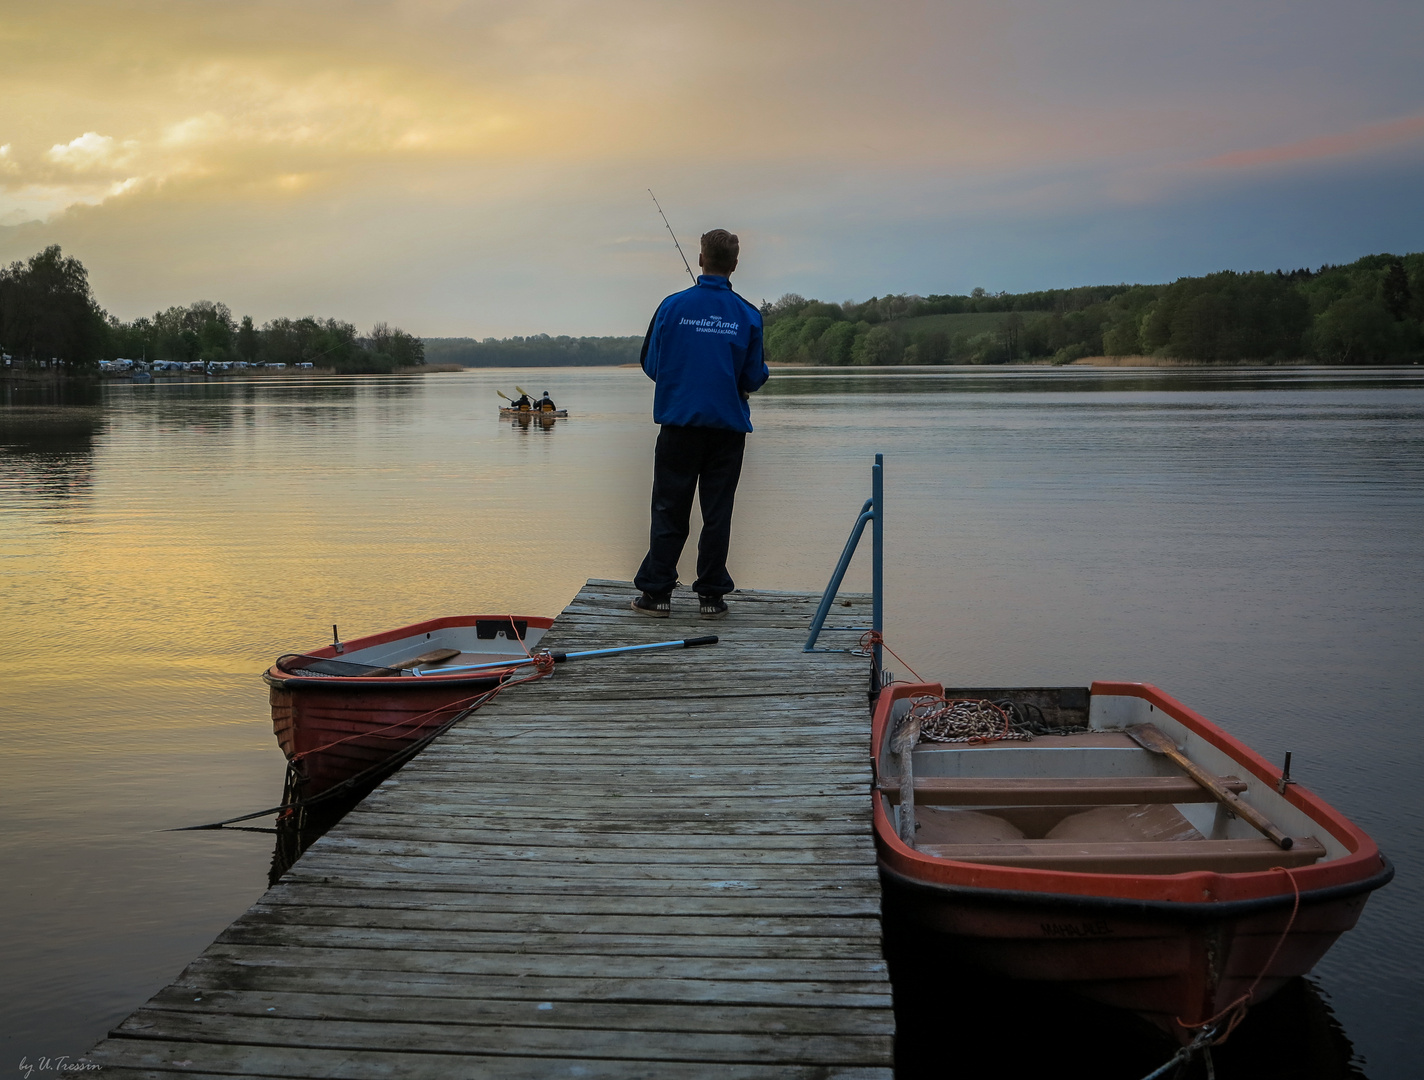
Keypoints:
pixel 481 641
pixel 1092 800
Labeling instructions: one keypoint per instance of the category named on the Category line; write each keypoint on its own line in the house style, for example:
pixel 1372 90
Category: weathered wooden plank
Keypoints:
pixel 361 875
pixel 768 969
pixel 606 873
pixel 578 820
pixel 221 973
pixel 443 940
pixel 297 1063
pixel 790 861
pixel 411 1033
pixel 443 901
pixel 609 1016
pixel 566 871
pixel 561 922
pixel 462 830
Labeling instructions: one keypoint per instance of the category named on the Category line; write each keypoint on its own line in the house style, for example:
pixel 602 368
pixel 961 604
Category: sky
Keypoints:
pixel 482 168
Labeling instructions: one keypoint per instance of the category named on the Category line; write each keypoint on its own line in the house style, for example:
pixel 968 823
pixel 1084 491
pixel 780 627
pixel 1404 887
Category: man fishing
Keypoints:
pixel 704 351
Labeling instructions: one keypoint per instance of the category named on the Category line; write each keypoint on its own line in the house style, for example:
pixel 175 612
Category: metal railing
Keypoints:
pixel 872 511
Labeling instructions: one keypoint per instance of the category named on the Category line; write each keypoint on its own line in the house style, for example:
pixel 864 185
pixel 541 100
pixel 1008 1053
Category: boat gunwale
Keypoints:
pixel 1177 910
pixel 1192 887
pixel 283 680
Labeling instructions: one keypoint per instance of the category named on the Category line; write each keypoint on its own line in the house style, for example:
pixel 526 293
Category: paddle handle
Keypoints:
pixel 1219 792
pixel 561 657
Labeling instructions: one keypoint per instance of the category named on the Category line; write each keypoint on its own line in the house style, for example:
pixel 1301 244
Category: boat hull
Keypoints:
pixel 333 729
pixel 1176 948
pixel 536 414
pixel 333 734
pixel 1172 964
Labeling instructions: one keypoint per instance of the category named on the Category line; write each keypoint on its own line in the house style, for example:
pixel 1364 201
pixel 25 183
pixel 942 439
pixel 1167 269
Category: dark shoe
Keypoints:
pixel 655 607
pixel 712 607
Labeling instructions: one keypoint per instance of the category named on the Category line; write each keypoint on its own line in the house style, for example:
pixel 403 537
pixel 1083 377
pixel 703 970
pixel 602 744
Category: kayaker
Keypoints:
pixel 546 403
pixel 703 349
pixel 522 403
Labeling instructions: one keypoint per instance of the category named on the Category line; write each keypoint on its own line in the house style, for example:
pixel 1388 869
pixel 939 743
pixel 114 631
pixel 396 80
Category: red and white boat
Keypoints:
pixel 1088 861
pixel 345 708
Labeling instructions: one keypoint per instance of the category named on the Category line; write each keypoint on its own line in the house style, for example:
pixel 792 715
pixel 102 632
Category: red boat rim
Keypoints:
pixel 1363 868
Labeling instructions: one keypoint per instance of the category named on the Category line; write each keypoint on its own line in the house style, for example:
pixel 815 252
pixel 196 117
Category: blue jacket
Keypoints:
pixel 703 350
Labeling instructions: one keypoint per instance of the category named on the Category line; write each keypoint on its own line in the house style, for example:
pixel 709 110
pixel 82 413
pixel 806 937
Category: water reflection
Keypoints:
pixel 532 422
pixel 891 382
pixel 47 447
pixel 1249 541
pixel 953 1020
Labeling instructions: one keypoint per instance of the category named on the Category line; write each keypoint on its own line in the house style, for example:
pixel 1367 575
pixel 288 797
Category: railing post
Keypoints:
pixel 877 555
pixel 872 511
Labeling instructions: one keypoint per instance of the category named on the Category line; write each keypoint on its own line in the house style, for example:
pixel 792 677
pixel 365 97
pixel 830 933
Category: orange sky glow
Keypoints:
pixel 480 168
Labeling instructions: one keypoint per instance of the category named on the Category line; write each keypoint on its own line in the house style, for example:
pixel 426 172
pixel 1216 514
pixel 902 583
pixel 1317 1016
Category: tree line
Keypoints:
pixel 1371 311
pixel 48 315
pixel 538 350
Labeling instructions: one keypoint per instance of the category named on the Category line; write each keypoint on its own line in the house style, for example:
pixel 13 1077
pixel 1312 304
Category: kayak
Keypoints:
pixel 541 414
pixel 348 707
pixel 1112 841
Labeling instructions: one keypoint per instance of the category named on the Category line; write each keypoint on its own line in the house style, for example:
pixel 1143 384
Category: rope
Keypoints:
pixel 872 638
pixel 962 720
pixel 1233 1014
pixel 1236 1011
pixel 543 667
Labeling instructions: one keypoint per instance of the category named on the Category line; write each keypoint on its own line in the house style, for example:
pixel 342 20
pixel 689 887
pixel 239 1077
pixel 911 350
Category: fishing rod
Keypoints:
pixel 673 235
pixel 561 657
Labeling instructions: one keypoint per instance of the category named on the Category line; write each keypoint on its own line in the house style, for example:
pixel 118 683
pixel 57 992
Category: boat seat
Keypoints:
pixel 1055 791
pixel 1138 857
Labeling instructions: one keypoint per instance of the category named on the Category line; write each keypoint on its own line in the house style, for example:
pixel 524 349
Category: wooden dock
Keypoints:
pixel 658 865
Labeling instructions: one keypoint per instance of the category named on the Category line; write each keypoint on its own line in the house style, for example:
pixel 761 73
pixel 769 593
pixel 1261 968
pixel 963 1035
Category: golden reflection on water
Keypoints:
pixel 161 543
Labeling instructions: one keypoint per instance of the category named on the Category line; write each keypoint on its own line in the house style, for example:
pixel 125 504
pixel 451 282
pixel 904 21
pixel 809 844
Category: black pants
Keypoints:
pixel 710 460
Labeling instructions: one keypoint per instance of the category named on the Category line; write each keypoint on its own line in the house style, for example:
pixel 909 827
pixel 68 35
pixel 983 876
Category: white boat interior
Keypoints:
pixel 1093 800
pixel 485 640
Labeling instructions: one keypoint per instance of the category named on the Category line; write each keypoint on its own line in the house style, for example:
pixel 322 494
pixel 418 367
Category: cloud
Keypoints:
pixel 91 151
pixel 1361 140
pixel 447 160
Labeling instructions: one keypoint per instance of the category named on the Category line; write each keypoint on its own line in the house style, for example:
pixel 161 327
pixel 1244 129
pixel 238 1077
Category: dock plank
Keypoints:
pixel 663 861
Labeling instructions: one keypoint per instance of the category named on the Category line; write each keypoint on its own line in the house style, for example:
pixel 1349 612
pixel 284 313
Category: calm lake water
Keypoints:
pixel 1251 541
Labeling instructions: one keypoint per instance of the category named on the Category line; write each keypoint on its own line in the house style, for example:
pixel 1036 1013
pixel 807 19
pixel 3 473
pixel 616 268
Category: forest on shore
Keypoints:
pixel 48 315
pixel 537 350
pixel 1371 311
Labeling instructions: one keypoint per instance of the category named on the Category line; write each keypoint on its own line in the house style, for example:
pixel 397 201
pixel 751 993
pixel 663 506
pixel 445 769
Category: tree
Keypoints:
pixel 879 346
pixel 1354 330
pixel 1394 290
pixel 247 343
pixel 47 311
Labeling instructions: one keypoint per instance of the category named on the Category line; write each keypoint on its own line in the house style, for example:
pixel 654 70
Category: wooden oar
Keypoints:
pixel 1150 737
pixel 903 744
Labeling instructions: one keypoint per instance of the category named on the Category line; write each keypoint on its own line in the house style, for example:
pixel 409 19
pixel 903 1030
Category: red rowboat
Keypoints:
pixel 1089 861
pixel 349 706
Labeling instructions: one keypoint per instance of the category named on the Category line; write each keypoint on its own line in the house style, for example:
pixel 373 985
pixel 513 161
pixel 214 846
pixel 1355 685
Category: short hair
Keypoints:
pixel 719 251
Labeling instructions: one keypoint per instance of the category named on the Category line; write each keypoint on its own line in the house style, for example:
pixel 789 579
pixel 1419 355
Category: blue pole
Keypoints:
pixel 837 575
pixel 877 494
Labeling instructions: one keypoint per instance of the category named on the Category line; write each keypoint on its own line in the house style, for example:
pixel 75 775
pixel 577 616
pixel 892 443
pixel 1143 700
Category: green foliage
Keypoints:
pixel 1228 316
pixel 1368 312
pixel 540 350
pixel 48 313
